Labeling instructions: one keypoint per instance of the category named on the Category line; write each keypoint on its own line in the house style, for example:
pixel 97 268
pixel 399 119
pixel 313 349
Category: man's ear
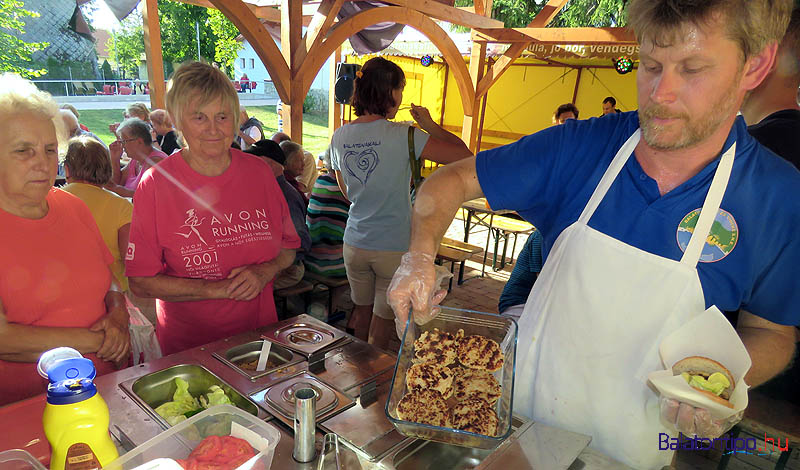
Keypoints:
pixel 758 66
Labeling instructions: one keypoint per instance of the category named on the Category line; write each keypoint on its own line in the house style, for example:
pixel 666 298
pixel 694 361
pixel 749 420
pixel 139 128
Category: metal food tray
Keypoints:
pixel 304 334
pixel 279 357
pixel 499 328
pixel 152 390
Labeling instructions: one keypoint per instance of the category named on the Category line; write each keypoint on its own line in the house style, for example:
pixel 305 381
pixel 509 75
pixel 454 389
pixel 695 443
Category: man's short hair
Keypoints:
pixel 791 40
pixel 290 148
pixel 610 99
pixel 565 108
pixel 88 160
pixel 196 84
pixel 374 86
pixel 753 24
pixel 280 137
pixel 71 108
pixel 136 128
pixel 268 149
pixel 161 117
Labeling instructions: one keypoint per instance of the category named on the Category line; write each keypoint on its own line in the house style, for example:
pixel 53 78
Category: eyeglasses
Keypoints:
pixel 125 141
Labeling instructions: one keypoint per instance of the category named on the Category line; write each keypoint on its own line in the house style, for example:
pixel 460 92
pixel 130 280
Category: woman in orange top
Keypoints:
pixel 55 283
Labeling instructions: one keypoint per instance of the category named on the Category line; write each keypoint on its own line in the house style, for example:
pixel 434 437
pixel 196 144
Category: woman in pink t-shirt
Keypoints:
pixel 210 226
pixel 135 137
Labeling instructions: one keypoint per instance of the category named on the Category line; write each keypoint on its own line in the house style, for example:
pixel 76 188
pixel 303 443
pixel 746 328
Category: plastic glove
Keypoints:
pixel 415 284
pixel 691 421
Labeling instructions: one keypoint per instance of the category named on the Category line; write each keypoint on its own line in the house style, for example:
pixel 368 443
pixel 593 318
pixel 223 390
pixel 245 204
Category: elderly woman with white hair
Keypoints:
pixel 210 228
pixel 56 288
pixel 136 139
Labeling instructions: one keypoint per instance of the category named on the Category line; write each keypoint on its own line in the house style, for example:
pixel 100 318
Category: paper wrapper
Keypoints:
pixel 709 335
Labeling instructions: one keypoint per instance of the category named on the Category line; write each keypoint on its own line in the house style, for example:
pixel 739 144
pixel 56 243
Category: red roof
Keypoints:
pixel 101 37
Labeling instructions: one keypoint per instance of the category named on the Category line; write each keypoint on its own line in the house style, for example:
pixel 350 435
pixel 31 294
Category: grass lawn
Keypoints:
pixel 315 127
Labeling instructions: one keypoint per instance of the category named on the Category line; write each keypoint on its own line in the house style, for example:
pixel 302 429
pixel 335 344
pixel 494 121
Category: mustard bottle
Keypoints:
pixel 76 418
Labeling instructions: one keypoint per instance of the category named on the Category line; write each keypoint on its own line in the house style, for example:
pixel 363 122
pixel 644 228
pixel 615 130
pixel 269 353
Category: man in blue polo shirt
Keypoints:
pixel 647 219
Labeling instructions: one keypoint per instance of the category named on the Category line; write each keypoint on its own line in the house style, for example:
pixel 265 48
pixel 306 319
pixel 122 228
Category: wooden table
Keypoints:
pixel 484 216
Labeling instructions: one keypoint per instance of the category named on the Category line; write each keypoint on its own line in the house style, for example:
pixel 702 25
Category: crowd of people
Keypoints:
pixel 195 207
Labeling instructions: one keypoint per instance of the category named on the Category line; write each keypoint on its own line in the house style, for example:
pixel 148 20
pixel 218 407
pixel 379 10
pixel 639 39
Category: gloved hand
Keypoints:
pixel 415 285
pixel 691 421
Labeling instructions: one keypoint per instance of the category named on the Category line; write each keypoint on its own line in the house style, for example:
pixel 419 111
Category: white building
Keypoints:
pixel 249 63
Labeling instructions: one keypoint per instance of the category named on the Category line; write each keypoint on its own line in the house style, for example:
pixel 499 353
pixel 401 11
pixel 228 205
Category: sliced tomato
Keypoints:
pixel 183 463
pixel 234 448
pixel 212 466
pixel 207 449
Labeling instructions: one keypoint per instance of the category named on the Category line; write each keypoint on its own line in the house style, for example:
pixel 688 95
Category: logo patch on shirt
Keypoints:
pixel 130 252
pixel 721 239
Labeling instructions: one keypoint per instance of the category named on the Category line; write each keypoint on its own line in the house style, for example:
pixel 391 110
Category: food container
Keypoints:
pixel 240 357
pixel 152 390
pixel 222 420
pixel 18 459
pixel 304 334
pixel 496 327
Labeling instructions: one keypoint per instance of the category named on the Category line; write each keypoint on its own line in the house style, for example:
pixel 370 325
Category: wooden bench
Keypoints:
pixel 330 282
pixel 460 246
pixel 281 295
pixel 504 227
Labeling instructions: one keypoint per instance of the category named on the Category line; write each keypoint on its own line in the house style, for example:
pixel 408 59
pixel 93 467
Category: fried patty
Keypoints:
pixel 424 406
pixel 480 352
pixel 430 377
pixel 474 415
pixel 475 383
pixel 438 347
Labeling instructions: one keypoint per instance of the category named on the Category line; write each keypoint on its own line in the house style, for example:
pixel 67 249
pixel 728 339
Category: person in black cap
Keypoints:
pixel 273 155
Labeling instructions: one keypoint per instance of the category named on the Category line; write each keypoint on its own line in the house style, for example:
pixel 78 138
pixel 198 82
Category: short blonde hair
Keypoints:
pixel 138 110
pixel 290 149
pixel 88 160
pixel 752 24
pixel 196 84
pixel 19 96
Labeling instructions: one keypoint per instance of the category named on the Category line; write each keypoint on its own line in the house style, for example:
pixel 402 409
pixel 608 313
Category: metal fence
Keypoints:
pixel 82 87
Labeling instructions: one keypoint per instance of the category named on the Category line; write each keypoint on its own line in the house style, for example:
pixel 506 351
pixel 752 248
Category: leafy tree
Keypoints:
pixel 178 36
pixel 126 46
pixel 576 13
pixel 107 72
pixel 15 54
pixel 226 48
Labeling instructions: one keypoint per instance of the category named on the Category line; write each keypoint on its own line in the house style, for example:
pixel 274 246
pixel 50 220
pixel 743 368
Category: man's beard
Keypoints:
pixel 694 129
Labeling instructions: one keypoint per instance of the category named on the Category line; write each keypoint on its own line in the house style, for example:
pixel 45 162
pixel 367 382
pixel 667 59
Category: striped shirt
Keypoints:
pixel 326 220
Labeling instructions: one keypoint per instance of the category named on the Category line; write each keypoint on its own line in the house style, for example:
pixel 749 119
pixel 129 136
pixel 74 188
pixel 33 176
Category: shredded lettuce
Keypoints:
pixel 183 404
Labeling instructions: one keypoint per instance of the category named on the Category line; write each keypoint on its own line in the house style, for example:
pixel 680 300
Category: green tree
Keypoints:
pixel 226 48
pixel 15 54
pixel 576 13
pixel 127 45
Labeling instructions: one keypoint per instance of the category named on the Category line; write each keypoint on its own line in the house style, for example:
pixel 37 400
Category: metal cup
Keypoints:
pixel 304 424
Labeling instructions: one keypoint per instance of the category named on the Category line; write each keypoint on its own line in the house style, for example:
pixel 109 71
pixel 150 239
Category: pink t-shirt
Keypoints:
pixel 193 226
pixel 138 169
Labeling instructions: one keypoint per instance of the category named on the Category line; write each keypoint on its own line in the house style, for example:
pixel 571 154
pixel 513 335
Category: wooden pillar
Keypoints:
pixel 477 64
pixel 291 37
pixel 152 50
pixel 334 108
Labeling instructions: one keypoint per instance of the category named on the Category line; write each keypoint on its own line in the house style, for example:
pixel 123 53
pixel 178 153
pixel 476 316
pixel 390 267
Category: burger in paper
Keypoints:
pixel 708 377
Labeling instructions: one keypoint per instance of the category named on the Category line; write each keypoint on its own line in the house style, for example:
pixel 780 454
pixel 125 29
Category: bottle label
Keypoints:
pixel 81 457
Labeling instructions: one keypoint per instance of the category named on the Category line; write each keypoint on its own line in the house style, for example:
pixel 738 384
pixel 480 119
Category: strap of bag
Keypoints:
pixel 416 169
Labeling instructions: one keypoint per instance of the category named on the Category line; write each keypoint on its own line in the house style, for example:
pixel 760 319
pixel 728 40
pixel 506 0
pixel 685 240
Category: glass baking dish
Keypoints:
pixel 499 328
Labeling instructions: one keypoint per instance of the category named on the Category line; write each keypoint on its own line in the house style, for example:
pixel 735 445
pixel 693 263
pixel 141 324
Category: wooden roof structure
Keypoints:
pixel 294 65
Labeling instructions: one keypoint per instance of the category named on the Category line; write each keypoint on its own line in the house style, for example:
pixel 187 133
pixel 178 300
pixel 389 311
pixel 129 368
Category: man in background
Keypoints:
pixel 564 112
pixel 610 105
pixel 771 109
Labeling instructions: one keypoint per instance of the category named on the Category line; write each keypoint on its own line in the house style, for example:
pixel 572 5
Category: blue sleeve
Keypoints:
pixel 524 274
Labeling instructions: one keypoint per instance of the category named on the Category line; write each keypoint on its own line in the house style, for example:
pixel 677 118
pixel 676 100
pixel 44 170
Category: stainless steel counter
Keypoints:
pixel 353 367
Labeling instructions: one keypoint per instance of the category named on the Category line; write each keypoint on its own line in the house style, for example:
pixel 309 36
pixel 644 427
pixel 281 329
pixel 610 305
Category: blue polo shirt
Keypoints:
pixel 752 258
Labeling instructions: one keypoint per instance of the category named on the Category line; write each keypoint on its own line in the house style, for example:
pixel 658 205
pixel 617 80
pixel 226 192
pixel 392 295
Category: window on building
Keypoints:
pixel 242 62
pixel 252 63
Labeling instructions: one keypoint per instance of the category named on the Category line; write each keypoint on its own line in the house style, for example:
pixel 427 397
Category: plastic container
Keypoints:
pixel 221 420
pixel 502 329
pixel 18 459
pixel 49 358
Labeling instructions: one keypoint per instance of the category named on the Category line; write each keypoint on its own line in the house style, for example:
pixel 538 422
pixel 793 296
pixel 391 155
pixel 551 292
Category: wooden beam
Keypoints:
pixel 334 108
pixel 419 21
pixel 255 32
pixel 447 13
pixel 559 35
pixel 547 13
pixel 291 43
pixel 483 8
pixel 262 12
pixel 155 59
pixel 320 24
pixel 477 66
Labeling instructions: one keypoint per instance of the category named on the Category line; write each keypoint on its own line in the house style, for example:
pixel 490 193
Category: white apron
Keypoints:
pixel 591 327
